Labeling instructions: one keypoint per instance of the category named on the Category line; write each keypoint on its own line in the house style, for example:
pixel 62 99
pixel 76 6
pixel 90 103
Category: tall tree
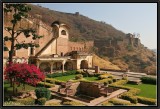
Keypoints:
pixel 18 12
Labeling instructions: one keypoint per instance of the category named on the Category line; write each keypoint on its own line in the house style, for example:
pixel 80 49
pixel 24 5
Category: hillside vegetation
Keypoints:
pixel 105 64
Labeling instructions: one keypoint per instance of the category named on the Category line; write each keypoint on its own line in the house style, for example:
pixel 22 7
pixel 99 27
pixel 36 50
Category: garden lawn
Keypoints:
pixel 66 78
pixel 147 90
pixel 27 88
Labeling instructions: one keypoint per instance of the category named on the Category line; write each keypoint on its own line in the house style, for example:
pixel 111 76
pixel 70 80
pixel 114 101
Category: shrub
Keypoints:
pixel 130 97
pixel 148 80
pixel 79 76
pixel 148 101
pixel 43 92
pixel 50 80
pixel 106 103
pixel 53 104
pixel 41 101
pixel 26 101
pixel 106 83
pixel 114 80
pixel 110 81
pixel 110 76
pixel 73 103
pixel 120 82
pixel 119 102
pixel 47 85
pixel 11 103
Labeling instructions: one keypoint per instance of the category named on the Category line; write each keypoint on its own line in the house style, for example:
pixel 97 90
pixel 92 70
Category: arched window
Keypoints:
pixel 63 32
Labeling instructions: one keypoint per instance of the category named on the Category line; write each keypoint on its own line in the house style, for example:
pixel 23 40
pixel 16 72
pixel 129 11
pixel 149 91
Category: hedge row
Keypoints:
pixel 148 80
pixel 26 101
pixel 108 80
pixel 62 74
pixel 131 98
pixel 119 102
pixel 47 85
pixel 53 104
pixel 11 103
pixel 144 100
pixel 73 103
pixel 52 80
pixel 120 82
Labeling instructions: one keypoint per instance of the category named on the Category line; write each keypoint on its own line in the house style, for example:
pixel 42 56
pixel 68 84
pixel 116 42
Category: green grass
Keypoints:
pixel 27 88
pixel 147 90
pixel 91 78
pixel 66 78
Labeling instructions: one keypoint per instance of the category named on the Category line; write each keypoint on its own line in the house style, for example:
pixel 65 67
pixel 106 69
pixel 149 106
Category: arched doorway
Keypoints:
pixel 84 64
pixel 68 66
pixel 57 66
pixel 45 67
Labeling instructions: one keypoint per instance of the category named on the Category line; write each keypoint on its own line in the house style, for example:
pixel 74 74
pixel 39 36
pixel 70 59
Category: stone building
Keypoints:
pixel 56 52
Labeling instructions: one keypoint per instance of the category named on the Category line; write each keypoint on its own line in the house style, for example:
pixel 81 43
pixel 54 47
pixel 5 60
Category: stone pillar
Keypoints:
pixel 63 66
pixel 96 69
pixel 38 63
pixel 51 63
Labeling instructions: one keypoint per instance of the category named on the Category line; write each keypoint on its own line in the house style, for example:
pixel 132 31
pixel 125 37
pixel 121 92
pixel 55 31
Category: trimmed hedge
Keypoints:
pixel 106 103
pixel 119 102
pixel 131 98
pixel 148 101
pixel 47 85
pixel 62 74
pixel 26 101
pixel 53 104
pixel 73 103
pixel 148 80
pixel 79 76
pixel 120 82
pixel 11 103
pixel 41 101
pixel 43 92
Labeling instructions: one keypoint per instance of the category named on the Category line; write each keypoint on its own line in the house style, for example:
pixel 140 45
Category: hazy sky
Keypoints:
pixel 128 17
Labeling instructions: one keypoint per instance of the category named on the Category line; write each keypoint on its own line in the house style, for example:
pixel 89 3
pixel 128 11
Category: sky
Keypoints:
pixel 128 17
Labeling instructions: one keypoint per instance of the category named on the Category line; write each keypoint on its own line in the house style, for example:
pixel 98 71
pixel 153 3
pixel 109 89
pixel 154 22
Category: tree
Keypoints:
pixel 18 11
pixel 23 73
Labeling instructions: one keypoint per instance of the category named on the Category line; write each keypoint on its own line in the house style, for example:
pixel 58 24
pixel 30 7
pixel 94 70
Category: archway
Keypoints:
pixel 84 64
pixel 45 67
pixel 57 66
pixel 68 66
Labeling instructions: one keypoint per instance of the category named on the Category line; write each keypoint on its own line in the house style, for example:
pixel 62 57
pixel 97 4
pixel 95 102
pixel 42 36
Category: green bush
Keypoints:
pixel 106 103
pixel 106 83
pixel 79 76
pixel 43 92
pixel 110 81
pixel 53 104
pixel 26 101
pixel 114 80
pixel 41 101
pixel 73 103
pixel 130 97
pixel 47 85
pixel 119 102
pixel 110 76
pixel 11 103
pixel 120 82
pixel 148 101
pixel 148 80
